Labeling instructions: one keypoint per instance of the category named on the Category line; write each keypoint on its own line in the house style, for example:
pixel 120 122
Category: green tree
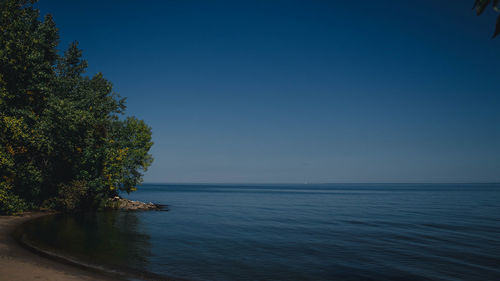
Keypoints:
pixel 63 143
pixel 27 53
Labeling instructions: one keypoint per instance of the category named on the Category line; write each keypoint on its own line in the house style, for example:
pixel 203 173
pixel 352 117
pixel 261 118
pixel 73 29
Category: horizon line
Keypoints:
pixel 315 183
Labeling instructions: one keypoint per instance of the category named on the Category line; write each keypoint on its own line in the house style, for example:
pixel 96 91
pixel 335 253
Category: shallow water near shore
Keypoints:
pixel 293 232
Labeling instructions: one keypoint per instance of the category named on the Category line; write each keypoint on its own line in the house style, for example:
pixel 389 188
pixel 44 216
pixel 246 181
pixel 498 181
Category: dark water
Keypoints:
pixel 295 232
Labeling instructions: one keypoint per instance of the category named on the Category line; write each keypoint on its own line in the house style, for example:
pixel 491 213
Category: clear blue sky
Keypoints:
pixel 301 91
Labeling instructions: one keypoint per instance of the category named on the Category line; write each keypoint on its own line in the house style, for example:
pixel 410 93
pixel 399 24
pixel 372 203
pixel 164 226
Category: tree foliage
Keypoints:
pixel 64 142
pixel 481 5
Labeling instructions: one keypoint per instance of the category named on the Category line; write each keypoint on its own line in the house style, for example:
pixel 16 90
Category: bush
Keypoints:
pixel 70 196
pixel 10 203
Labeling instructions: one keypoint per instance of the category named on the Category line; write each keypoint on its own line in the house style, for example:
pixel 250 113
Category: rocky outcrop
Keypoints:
pixel 129 205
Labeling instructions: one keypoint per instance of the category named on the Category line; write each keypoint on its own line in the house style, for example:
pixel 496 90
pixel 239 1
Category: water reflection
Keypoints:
pixel 106 238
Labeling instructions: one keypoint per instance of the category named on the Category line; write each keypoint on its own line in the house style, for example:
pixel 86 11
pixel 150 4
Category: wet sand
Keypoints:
pixel 18 263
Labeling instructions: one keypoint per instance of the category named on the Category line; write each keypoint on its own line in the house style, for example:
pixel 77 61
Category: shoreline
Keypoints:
pixel 22 260
pixel 19 263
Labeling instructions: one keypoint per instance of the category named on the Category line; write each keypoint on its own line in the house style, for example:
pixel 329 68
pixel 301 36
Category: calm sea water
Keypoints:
pixel 294 232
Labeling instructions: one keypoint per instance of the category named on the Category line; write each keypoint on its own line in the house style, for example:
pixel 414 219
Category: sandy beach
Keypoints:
pixel 18 263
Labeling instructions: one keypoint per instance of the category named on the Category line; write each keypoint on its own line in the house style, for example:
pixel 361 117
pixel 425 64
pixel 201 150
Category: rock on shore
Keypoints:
pixel 129 205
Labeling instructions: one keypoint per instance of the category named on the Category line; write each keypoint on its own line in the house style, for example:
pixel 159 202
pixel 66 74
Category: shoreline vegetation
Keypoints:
pixel 66 144
pixel 65 141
